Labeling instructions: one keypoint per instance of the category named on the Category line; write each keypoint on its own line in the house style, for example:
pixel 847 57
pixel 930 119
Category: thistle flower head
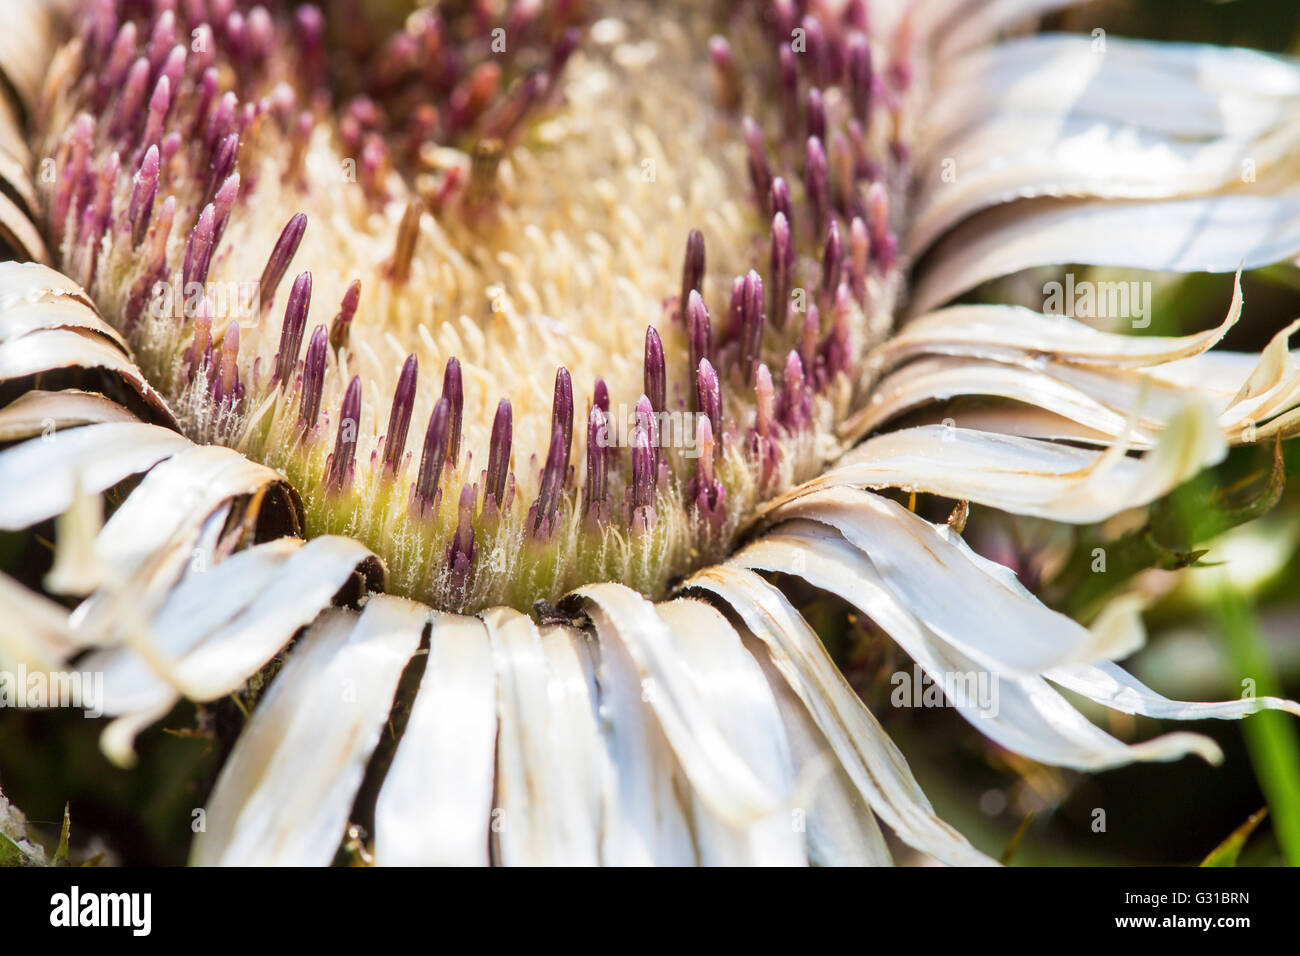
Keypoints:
pixel 410 195
pixel 542 338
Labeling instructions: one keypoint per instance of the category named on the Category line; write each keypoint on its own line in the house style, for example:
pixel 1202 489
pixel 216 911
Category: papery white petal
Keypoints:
pixel 284 795
pixel 435 807
pixel 861 747
pixel 732 686
pixel 1022 714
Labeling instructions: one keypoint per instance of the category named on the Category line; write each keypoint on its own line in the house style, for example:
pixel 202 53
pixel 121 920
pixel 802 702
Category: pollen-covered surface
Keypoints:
pixel 383 258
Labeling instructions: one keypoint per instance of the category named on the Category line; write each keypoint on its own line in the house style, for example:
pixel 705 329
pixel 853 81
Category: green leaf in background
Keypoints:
pixel 61 851
pixel 1192 513
pixel 1270 735
pixel 1227 852
pixel 16 848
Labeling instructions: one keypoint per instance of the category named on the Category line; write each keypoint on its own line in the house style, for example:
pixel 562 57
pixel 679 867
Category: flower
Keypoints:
pixel 549 207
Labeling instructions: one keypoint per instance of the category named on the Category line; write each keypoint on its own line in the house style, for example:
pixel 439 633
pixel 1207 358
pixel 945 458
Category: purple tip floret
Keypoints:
pixel 751 322
pixel 655 369
pixel 347 310
pixel 597 457
pixel 781 265
pixel 499 453
pixel 198 253
pixel 432 457
pixel 313 378
pixel 144 192
pixel 454 392
pixel 562 411
pixel 460 552
pixel 295 323
pixel 860 77
pixel 884 244
pixel 132 99
pixel 698 332
pixel 159 103
pixel 816 181
pixel 832 257
pixel 643 468
pixel 339 474
pixel 223 203
pixel 760 172
pixel 399 418
pixel 281 254
pixel 781 200
pixel 546 508
pixel 816 113
pixel 789 90
pixel 692 266
pixel 708 392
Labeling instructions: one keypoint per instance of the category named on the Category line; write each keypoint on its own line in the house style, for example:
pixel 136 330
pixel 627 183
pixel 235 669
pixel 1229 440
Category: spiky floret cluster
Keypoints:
pixel 221 168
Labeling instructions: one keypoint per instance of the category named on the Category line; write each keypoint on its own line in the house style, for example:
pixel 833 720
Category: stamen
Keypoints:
pixel 198 252
pixel 223 203
pixel 655 369
pixel 709 494
pixel 347 310
pixel 765 394
pixel 221 122
pixel 597 458
pixel 883 242
pixel 225 384
pixel 781 265
pixel 547 505
pixel 295 323
pixel 643 468
pixel 313 378
pixel 119 61
pixel 408 231
pixel 815 40
pixel 562 411
pixel 161 38
pixel 698 332
pixel 223 160
pixel 207 93
pixel 399 418
pixel 781 201
pixel 751 323
pixel 692 267
pixel 645 420
pixel 859 69
pixel 132 99
pixel 342 461
pixel 499 454
pixel 460 552
pixel 794 408
pixel 859 254
pixel 788 83
pixel 726 79
pixel 708 392
pixel 453 391
pixel 832 257
pixel 808 336
pixel 431 460
pixel 760 172
pixel 281 254
pixel 159 103
pixel 816 181
pixel 202 341
pixel 816 114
